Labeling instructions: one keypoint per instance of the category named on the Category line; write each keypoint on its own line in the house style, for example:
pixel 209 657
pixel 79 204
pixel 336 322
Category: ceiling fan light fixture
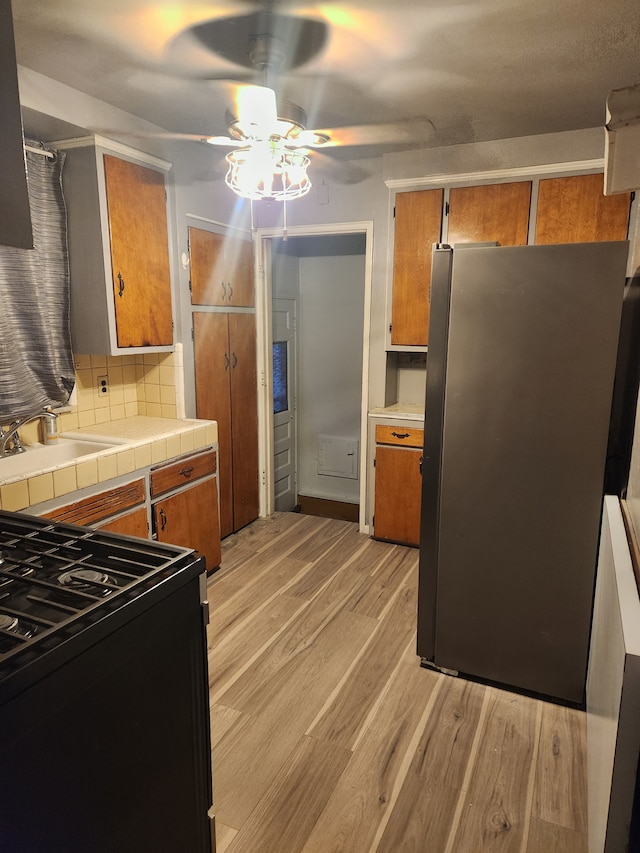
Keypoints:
pixel 267 170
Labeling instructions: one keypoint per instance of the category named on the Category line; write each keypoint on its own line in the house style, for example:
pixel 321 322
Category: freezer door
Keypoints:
pixel 439 296
pixel 530 363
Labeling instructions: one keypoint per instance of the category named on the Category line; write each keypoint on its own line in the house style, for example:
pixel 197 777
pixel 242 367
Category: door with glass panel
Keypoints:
pixel 284 403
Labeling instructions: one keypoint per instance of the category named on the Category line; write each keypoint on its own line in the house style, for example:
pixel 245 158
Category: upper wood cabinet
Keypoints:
pixel 221 270
pixel 569 210
pixel 418 225
pixel 490 213
pixel 121 293
pixel 574 210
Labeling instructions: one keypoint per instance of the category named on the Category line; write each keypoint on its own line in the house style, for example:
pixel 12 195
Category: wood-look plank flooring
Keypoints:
pixel 327 734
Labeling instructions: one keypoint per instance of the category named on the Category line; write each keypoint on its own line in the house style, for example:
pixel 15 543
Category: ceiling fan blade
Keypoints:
pixel 168 136
pixel 341 171
pixel 400 132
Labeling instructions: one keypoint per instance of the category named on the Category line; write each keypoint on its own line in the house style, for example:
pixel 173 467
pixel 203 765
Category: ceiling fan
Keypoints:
pixel 271 145
pixel 271 142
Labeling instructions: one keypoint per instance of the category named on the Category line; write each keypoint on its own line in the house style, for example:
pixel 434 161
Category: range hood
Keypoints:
pixel 15 214
pixel 622 141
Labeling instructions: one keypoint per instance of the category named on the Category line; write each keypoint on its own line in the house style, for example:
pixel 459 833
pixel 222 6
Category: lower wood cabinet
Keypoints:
pixel 97 510
pixel 188 514
pixel 180 497
pixel 398 484
pixel 134 523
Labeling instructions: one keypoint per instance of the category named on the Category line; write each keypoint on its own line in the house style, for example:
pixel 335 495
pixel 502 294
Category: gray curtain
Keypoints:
pixel 36 363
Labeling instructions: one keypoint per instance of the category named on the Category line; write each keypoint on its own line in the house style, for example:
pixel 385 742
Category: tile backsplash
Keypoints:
pixel 147 384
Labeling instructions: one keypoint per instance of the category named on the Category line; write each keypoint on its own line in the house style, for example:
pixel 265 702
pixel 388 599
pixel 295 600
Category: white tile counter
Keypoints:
pixel 399 411
pixel 141 442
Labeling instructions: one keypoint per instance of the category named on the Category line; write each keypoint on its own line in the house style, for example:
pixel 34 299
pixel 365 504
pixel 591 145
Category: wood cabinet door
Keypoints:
pixel 206 259
pixel 575 210
pixel 221 269
pixel 240 257
pixel 244 418
pixel 132 524
pixel 490 213
pixel 96 508
pixel 418 225
pixel 189 518
pixel 137 211
pixel 398 495
pixel 212 355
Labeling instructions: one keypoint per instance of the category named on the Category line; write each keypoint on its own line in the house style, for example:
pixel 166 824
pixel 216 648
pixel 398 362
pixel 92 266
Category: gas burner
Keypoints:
pixel 85 580
pixel 7 622
pixel 17 570
pixel 16 626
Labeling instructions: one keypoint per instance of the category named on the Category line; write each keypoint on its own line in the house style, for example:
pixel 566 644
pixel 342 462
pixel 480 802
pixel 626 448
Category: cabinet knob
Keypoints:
pixel 121 284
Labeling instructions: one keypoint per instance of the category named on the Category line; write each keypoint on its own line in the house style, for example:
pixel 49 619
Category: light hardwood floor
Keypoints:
pixel 327 734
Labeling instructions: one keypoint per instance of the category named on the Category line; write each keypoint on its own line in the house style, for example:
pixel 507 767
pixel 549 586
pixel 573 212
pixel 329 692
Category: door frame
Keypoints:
pixel 264 342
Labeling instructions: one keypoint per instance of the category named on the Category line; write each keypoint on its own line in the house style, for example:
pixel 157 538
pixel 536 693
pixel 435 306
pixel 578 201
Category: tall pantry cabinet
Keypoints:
pixel 224 340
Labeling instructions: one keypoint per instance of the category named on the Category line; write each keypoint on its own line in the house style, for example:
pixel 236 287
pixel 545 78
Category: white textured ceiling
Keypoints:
pixel 475 69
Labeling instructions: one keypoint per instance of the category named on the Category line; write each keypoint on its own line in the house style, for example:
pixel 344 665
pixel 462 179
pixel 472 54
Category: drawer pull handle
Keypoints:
pixel 121 284
pixel 230 286
pixel 227 361
pixel 401 434
pixel 235 361
pixel 186 472
pixel 163 520
pixel 224 290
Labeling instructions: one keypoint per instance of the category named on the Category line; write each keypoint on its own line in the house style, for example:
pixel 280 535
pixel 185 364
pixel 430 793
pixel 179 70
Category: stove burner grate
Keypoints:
pixel 85 579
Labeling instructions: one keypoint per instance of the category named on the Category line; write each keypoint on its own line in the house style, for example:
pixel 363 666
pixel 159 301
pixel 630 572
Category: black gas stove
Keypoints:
pixel 58 580
pixel 103 692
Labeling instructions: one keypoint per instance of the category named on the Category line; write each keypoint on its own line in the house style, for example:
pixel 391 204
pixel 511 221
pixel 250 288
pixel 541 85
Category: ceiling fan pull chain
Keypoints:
pixel 284 218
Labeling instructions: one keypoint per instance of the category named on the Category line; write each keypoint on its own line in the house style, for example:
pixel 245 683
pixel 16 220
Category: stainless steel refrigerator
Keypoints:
pixel 520 372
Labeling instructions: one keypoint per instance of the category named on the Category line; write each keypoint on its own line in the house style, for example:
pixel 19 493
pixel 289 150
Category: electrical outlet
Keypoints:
pixel 103 384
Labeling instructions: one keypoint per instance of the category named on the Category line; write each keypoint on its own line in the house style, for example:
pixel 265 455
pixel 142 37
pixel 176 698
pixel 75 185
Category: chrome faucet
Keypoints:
pixel 10 443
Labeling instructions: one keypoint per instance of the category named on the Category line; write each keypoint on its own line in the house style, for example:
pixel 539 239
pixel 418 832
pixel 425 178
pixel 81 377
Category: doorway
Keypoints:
pixel 309 259
pixel 284 404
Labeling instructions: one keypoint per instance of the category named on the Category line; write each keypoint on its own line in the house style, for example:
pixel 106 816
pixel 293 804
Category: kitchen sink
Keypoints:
pixel 40 457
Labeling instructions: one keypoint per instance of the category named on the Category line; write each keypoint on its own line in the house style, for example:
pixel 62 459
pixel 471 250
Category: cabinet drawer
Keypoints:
pixel 400 435
pixel 93 509
pixel 185 470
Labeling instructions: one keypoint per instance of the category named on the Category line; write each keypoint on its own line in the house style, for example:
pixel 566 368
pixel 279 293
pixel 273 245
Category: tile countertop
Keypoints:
pixel 406 411
pixel 141 442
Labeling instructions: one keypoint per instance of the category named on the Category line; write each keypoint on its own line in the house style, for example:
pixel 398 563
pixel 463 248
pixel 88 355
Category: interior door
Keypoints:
pixel 284 403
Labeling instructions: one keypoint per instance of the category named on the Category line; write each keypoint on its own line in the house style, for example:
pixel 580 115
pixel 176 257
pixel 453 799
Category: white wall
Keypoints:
pixel 330 366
